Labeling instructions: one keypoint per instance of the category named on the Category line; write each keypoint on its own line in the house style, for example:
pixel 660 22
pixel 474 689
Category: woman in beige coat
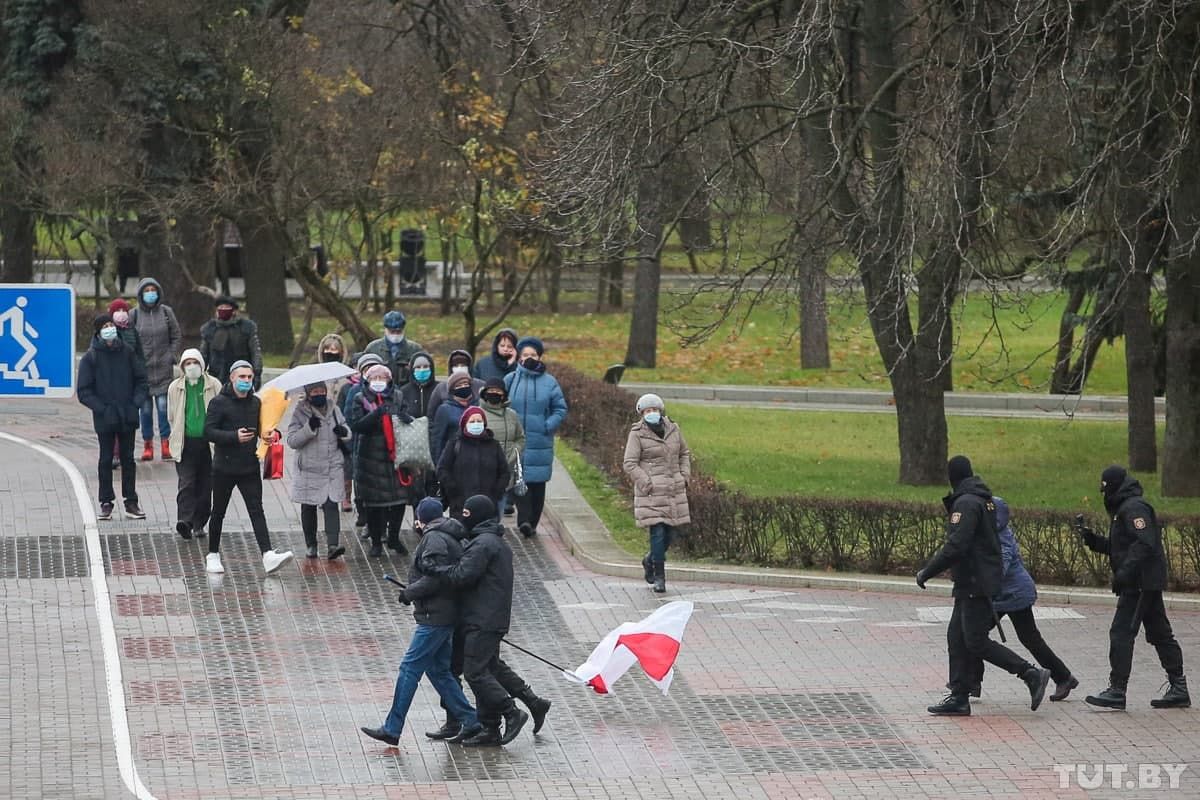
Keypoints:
pixel 659 463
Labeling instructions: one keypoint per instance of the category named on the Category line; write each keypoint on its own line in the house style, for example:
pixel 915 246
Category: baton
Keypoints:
pixel 390 579
pixel 996 622
pixel 1138 612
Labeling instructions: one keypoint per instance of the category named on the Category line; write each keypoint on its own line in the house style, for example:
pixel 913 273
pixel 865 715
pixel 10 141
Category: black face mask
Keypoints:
pixel 318 400
pixel 329 357
pixel 462 392
pixel 494 399
pixel 533 365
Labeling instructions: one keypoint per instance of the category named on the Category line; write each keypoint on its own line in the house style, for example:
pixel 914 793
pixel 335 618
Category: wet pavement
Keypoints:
pixel 247 686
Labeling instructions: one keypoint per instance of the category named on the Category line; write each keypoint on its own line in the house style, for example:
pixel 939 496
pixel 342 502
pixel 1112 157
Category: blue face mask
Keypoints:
pixel 422 375
pixel 150 297
pixel 653 418
pixel 243 386
pixel 108 334
pixel 475 428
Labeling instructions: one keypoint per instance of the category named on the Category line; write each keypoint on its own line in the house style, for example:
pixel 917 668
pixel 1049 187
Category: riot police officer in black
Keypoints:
pixel 972 553
pixel 1139 564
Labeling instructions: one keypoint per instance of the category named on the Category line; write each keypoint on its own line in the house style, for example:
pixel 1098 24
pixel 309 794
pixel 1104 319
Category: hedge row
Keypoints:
pixel 837 534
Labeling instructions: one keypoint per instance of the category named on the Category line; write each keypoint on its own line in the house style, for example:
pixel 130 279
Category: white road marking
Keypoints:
pixel 828 620
pixel 108 634
pixel 592 605
pixel 729 595
pixel 834 608
pixel 942 613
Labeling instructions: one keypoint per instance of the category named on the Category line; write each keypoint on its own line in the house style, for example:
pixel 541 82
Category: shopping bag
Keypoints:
pixel 412 444
pixel 273 462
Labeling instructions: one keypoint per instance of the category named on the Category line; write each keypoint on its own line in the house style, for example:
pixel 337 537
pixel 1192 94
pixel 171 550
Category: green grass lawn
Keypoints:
pixel 1006 349
pixel 613 508
pixel 1031 463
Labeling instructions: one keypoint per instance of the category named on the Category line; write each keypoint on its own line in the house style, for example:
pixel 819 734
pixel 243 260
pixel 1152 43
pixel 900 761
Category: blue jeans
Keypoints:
pixel 164 425
pixel 428 654
pixel 660 539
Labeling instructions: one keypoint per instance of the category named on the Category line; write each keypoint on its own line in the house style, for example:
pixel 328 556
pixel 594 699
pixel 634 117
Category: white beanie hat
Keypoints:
pixel 649 400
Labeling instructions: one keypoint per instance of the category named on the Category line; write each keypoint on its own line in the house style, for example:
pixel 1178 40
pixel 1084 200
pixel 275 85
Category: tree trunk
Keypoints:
pixel 18 236
pixel 1060 382
pixel 643 325
pixel 554 268
pixel 615 280
pixel 814 316
pixel 1181 444
pixel 921 424
pixel 1139 367
pixel 186 271
pixel 265 255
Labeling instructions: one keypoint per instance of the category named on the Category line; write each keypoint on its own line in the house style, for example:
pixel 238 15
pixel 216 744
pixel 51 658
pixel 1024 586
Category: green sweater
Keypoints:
pixel 194 412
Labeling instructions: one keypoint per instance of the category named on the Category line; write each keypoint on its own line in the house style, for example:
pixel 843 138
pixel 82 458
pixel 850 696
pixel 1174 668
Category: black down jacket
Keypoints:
pixel 485 577
pixel 972 546
pixel 375 480
pixel 471 466
pixel 435 601
pixel 112 383
pixel 1134 542
pixel 226 413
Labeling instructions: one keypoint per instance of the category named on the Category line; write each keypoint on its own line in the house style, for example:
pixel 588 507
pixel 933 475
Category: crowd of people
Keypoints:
pixel 490 432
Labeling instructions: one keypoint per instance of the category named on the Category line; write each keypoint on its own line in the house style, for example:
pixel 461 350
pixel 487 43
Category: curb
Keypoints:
pixel 589 541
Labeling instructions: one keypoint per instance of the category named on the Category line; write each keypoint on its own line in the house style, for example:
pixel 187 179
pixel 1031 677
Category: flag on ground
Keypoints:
pixel 653 642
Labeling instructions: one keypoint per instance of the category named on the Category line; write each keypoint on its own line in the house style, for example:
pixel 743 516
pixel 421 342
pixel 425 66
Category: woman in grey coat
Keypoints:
pixel 158 329
pixel 659 463
pixel 319 435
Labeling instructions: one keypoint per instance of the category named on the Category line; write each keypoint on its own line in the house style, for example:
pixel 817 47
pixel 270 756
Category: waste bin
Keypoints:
pixel 411 267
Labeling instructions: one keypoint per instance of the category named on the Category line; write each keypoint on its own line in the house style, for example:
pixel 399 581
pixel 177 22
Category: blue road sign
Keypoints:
pixel 37 340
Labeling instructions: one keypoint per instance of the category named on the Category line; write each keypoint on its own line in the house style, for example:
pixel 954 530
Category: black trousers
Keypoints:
pixel 333 523
pixel 513 683
pixel 1124 630
pixel 123 441
pixel 529 507
pixel 193 500
pixel 968 643
pixel 249 484
pixel 384 519
pixel 482 667
pixel 1027 631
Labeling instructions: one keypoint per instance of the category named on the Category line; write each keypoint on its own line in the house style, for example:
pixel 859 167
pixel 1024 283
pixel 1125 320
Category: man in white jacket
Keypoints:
pixel 187 405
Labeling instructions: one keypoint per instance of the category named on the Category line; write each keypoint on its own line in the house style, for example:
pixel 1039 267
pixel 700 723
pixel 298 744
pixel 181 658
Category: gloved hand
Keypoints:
pixel 341 431
pixel 403 598
pixel 921 578
pixel 1120 584
pixel 314 422
pixel 402 415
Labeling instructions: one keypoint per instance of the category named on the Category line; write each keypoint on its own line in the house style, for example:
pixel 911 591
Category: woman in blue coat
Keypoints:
pixel 1017 595
pixel 538 400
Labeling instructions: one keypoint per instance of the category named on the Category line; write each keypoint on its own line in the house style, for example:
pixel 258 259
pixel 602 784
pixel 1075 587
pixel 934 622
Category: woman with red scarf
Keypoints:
pixel 377 482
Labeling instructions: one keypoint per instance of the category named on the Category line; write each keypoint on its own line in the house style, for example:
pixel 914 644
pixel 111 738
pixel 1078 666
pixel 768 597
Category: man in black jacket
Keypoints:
pixel 232 426
pixel 112 383
pixel 972 552
pixel 1139 564
pixel 485 573
pixel 435 608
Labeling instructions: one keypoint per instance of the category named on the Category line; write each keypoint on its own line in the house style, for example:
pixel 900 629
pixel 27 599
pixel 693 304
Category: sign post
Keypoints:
pixel 37 340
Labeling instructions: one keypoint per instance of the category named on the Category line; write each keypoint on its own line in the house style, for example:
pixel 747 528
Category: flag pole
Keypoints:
pixel 535 655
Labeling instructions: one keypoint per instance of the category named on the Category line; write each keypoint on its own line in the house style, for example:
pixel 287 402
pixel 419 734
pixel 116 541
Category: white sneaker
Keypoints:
pixel 213 564
pixel 273 560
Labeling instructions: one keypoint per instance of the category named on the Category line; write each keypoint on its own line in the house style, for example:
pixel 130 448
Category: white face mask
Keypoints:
pixel 459 368
pixel 394 338
pixel 378 387
pixel 193 372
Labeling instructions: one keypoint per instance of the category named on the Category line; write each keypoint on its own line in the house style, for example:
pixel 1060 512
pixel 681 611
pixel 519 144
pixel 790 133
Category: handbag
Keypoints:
pixel 273 462
pixel 412 444
pixel 520 489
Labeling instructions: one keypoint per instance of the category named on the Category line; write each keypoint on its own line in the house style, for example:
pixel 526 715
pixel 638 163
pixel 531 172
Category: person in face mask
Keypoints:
pixel 188 398
pixel 232 426
pixel 474 463
pixel 505 425
pixel 318 433
pixel 503 358
pixel 394 347
pixel 444 425
pixel 112 383
pixel 417 395
pixel 346 398
pixel 538 400
pixel 659 464
pixel 229 338
pixel 119 311
pixel 458 363
pixel 373 416
pixel 161 340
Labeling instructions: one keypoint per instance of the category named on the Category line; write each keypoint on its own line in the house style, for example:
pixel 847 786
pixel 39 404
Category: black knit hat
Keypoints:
pixel 1112 478
pixel 959 469
pixel 480 508
pixel 100 321
pixel 225 300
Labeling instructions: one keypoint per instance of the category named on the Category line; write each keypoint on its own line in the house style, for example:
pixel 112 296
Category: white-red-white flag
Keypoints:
pixel 653 642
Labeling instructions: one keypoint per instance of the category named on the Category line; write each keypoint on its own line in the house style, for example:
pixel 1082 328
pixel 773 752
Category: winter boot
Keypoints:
pixel 976 689
pixel 648 569
pixel 1113 697
pixel 166 450
pixel 539 707
pixel 1176 696
pixel 488 736
pixel 1037 679
pixel 1061 690
pixel 954 705
pixel 514 720
pixel 660 577
pixel 394 543
pixel 336 551
pixel 450 728
pixel 148 450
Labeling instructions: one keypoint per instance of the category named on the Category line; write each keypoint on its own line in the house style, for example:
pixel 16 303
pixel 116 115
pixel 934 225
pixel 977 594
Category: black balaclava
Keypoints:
pixel 1112 478
pixel 958 469
pixel 481 507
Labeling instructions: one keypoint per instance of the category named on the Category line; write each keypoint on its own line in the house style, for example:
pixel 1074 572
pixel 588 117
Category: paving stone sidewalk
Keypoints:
pixel 248 687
